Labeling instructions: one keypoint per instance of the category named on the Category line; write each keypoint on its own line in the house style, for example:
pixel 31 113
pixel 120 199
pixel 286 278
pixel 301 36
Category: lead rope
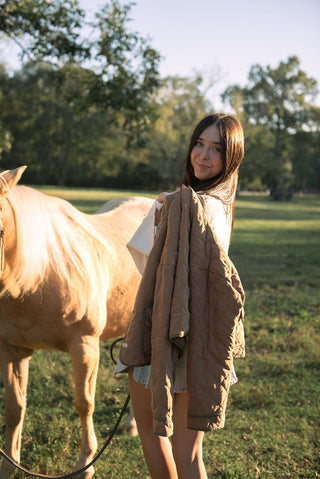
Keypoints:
pixel 96 457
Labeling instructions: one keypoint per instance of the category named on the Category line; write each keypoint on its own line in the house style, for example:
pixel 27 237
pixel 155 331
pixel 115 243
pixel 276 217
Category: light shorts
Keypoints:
pixel 142 374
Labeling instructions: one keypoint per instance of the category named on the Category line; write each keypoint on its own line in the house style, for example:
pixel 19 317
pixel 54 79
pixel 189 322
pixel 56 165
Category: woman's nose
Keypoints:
pixel 204 152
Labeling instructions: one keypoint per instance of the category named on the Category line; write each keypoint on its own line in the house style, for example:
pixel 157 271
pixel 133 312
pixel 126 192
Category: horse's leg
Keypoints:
pixel 130 425
pixel 85 362
pixel 14 363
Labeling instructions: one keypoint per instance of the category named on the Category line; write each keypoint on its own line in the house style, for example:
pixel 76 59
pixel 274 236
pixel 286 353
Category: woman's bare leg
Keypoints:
pixel 186 443
pixel 157 449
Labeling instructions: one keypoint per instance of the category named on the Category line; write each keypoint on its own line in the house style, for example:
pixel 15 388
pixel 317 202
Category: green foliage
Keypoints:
pixel 278 97
pixel 44 30
pixel 180 105
pixel 279 102
pixel 5 136
pixel 112 70
pixel 5 139
pixel 128 65
pixel 305 156
pixel 272 427
pixel 88 108
pixel 63 142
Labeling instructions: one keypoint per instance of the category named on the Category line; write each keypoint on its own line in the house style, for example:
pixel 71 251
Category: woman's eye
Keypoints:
pixel 216 148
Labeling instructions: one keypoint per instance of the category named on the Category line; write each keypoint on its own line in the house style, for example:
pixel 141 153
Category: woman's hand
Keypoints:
pixel 162 196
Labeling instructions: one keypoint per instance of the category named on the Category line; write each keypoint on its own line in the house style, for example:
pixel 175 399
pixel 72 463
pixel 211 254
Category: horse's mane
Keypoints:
pixel 53 236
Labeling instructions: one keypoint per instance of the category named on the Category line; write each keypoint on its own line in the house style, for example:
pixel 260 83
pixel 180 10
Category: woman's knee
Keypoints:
pixel 188 459
pixel 185 452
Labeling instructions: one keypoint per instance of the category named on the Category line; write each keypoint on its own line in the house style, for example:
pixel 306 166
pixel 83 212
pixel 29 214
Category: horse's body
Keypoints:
pixel 68 281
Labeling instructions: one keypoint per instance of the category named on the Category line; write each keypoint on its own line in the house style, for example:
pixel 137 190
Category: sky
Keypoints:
pixel 223 39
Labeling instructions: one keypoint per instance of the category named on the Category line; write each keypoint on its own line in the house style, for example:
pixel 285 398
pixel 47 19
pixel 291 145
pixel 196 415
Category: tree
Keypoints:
pixel 278 100
pixel 180 104
pixel 61 142
pixel 306 155
pixel 5 139
pixel 119 67
pixel 44 30
pixel 5 136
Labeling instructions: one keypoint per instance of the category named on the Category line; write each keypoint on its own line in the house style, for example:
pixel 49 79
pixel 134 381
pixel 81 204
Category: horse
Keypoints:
pixel 67 281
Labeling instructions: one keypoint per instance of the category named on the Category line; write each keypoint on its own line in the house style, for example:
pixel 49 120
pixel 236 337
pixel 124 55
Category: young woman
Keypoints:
pixel 215 152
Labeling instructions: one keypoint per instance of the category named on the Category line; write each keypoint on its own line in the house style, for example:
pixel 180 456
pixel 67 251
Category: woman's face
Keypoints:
pixel 206 155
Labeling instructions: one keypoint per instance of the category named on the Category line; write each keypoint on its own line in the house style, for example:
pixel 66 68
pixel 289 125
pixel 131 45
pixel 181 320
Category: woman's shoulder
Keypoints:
pixel 213 204
pixel 215 210
pixel 218 219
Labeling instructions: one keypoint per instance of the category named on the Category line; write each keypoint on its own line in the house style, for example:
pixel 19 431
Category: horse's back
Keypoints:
pixel 127 201
pixel 118 219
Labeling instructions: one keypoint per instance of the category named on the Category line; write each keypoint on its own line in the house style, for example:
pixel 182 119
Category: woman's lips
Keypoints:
pixel 202 167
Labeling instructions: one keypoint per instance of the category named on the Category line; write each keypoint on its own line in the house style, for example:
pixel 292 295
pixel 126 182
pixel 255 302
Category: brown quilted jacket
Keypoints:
pixel 190 296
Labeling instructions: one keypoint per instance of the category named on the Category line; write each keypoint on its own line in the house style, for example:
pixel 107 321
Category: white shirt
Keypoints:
pixel 219 220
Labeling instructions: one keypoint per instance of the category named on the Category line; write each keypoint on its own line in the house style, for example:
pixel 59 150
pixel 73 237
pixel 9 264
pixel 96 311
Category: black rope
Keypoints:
pixel 112 347
pixel 96 457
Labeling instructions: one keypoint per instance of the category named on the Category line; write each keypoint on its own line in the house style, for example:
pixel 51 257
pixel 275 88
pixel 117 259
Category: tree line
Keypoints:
pixel 93 111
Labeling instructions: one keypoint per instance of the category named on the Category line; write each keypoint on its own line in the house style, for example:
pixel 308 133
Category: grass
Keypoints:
pixel 272 424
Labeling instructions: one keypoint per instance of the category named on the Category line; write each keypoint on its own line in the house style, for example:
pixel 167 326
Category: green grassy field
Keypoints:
pixel 272 424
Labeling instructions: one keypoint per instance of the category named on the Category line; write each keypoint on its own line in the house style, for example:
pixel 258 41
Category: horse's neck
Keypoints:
pixel 9 228
pixel 10 239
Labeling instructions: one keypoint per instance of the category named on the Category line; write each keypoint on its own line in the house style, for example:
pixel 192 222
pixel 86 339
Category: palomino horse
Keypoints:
pixel 67 281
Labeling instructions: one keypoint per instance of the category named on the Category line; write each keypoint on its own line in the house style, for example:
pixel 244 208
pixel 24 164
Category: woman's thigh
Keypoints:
pixel 157 450
pixel 141 402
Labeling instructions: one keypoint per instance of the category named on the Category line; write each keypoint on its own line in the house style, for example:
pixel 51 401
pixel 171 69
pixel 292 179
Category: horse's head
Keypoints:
pixel 8 179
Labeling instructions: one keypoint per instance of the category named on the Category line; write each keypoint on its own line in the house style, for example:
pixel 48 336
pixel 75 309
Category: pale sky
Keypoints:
pixel 225 37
